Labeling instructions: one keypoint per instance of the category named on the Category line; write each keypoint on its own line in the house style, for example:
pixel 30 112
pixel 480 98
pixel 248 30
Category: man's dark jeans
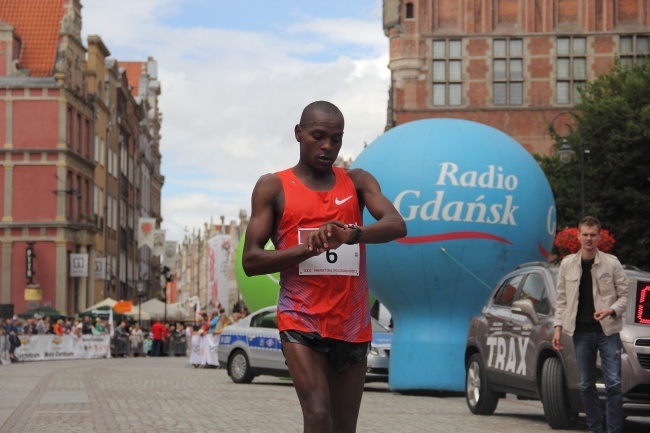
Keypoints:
pixel 157 348
pixel 587 344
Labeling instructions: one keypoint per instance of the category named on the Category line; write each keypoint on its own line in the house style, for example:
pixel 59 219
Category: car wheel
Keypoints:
pixel 239 368
pixel 481 400
pixel 555 398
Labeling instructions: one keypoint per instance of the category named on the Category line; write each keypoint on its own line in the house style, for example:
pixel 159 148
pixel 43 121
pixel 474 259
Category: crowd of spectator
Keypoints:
pixel 129 339
pixel 42 325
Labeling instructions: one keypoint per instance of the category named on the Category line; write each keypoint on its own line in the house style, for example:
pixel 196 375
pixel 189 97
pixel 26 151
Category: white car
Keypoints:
pixel 252 347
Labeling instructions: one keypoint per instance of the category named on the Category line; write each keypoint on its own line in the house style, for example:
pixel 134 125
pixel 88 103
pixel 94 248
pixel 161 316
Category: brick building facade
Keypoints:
pixel 510 64
pixel 73 136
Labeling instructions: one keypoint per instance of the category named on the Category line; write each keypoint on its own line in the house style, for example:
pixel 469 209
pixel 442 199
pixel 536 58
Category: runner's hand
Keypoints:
pixel 329 236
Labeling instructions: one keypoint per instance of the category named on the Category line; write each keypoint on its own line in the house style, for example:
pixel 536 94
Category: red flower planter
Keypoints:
pixel 566 242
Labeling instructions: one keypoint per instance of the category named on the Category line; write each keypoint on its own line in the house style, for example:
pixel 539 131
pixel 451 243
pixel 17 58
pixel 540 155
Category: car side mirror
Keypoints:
pixel 525 307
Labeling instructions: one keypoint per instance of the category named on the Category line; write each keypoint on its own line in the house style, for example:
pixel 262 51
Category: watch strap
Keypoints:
pixel 357 234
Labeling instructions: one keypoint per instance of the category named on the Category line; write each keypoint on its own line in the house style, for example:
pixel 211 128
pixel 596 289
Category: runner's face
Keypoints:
pixel 320 140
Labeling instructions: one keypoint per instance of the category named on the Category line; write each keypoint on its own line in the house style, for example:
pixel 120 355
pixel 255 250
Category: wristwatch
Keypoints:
pixel 356 236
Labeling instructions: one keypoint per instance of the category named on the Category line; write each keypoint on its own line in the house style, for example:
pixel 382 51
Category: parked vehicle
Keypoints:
pixel 509 349
pixel 252 347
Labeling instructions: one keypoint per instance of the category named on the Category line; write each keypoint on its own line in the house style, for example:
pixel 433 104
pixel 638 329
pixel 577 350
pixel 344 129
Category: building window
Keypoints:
pixel 79 144
pixel 409 10
pixel 447 73
pixel 634 48
pixel 571 68
pixel 115 227
pixel 508 72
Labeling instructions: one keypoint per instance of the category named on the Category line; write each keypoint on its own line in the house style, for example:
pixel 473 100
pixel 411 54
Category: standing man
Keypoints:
pixel 86 326
pixel 157 330
pixel 312 213
pixel 591 301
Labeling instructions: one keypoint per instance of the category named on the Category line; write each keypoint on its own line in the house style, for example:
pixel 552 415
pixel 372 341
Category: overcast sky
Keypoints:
pixel 235 76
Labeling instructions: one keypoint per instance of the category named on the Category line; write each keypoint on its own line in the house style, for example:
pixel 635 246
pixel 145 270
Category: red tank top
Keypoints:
pixel 334 306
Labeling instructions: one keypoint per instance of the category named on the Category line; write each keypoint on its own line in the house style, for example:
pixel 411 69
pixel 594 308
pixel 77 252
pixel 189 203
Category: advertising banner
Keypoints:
pixel 218 258
pixel 54 347
pixel 146 228
pixel 170 255
pixel 212 271
pixel 158 242
pixel 100 268
pixel 79 265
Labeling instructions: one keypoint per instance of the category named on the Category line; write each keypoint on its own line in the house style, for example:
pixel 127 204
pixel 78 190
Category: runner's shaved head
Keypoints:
pixel 309 113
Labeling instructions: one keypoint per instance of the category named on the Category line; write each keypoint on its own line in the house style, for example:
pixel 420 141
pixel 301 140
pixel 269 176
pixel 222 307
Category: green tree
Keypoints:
pixel 615 126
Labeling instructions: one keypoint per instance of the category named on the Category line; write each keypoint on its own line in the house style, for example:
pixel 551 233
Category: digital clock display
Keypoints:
pixel 642 310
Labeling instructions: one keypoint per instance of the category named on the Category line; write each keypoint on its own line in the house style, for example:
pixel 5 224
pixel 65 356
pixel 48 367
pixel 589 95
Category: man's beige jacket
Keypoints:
pixel 609 289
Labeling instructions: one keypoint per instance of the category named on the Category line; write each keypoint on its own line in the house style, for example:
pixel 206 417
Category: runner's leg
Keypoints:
pixel 346 390
pixel 310 371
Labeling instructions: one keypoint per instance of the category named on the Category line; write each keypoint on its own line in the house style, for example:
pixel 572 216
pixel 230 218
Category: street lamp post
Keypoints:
pixel 168 277
pixel 140 288
pixel 565 153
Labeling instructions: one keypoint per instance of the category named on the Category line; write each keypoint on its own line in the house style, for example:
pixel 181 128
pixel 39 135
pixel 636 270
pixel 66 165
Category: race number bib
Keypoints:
pixel 342 261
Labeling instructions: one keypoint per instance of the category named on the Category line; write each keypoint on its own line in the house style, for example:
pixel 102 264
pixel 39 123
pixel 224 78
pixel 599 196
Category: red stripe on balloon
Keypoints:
pixel 451 237
pixel 542 250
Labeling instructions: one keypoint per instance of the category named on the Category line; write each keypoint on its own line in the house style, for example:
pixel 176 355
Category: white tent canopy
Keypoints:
pixel 110 302
pixel 138 313
pixel 156 310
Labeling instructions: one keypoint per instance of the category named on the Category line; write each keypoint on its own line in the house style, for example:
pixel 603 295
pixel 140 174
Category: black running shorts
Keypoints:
pixel 340 354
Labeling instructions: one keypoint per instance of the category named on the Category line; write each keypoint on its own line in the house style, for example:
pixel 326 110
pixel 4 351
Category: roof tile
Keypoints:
pixel 37 23
pixel 133 72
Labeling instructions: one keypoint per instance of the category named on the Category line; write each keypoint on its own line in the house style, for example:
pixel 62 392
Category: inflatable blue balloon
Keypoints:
pixel 476 204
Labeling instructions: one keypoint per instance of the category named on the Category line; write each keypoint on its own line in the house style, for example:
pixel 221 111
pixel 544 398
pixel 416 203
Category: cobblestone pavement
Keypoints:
pixel 167 395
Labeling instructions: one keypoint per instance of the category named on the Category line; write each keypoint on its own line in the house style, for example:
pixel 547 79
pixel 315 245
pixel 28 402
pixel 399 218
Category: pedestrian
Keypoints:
pixel 67 326
pixel 158 330
pixel 224 321
pixel 214 319
pixel 313 214
pixel 148 344
pixel 29 327
pixel 122 339
pixel 99 326
pixel 136 338
pixel 58 328
pixel 86 326
pixel 41 326
pixel 591 302
pixel 14 343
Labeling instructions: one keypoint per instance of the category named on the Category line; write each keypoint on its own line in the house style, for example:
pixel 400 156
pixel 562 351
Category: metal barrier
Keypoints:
pixel 138 349
pixel 120 347
pixel 165 346
pixel 177 346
